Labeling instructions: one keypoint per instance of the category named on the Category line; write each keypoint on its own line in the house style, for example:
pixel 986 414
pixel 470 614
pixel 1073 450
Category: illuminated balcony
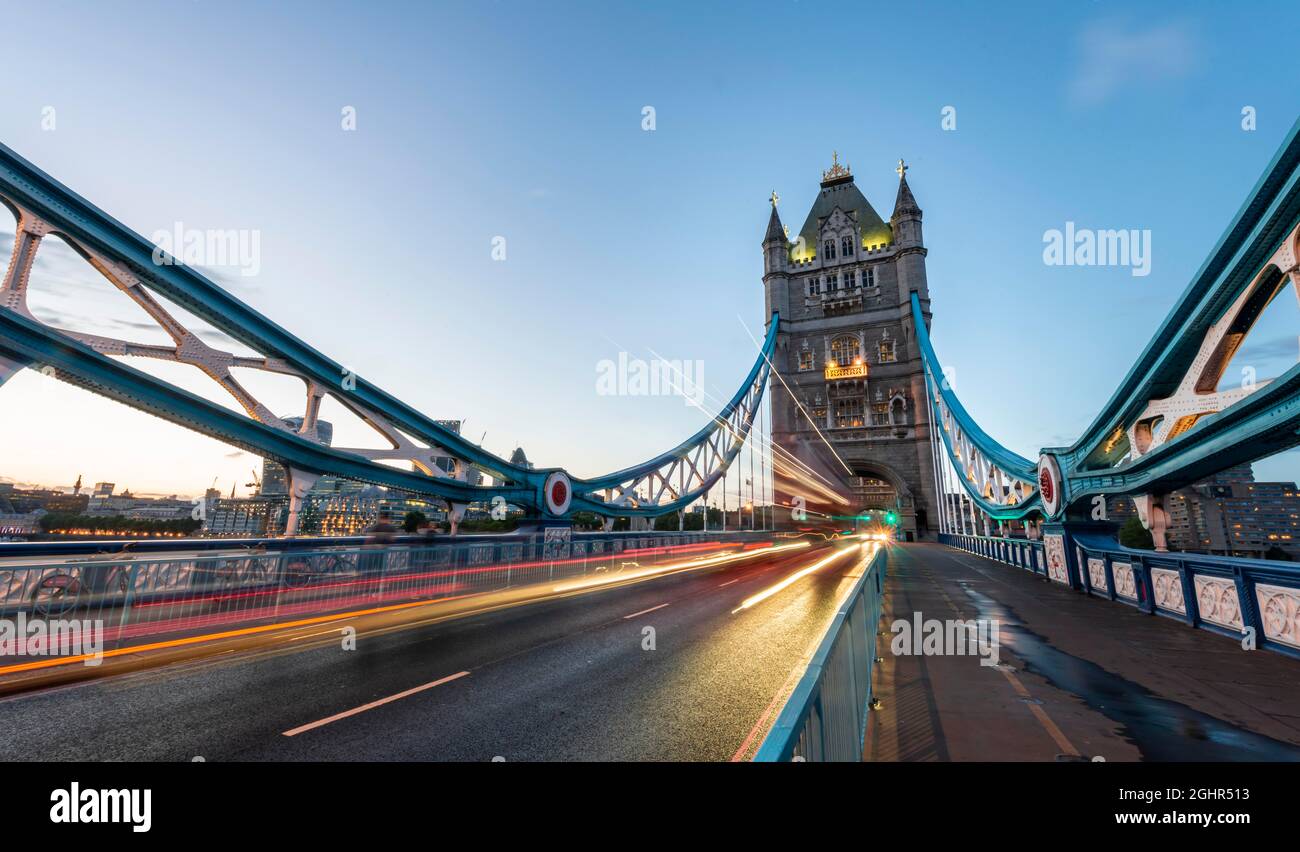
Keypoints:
pixel 856 370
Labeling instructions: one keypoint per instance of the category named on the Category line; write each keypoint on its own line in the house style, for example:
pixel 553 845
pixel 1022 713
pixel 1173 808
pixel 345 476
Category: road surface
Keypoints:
pixel 566 679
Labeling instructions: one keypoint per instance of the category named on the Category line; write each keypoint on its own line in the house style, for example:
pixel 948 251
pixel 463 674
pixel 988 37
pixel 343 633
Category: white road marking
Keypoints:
pixel 372 705
pixel 644 611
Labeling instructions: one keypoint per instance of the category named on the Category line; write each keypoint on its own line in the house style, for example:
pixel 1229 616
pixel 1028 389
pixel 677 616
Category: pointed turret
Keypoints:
pixel 905 203
pixel 774 229
pixel 906 220
pixel 910 244
pixel 776 262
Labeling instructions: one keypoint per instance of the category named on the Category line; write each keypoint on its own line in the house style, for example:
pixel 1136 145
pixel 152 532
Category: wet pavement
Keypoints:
pixel 1078 678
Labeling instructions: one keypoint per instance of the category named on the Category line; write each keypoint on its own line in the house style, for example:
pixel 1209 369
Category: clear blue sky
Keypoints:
pixel 523 120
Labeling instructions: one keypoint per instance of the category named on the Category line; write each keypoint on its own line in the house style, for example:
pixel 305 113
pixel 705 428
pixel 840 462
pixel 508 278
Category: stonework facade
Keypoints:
pixel 854 415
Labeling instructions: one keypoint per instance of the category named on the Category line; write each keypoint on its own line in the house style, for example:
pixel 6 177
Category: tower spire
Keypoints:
pixel 774 229
pixel 905 203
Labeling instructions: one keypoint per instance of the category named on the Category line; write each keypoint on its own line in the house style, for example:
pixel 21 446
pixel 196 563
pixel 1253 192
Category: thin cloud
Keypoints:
pixel 1286 346
pixel 1113 58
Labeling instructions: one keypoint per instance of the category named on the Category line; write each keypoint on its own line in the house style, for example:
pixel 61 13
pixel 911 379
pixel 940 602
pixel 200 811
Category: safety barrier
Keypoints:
pixel 1020 552
pixel 196 592
pixel 1254 600
pixel 825 718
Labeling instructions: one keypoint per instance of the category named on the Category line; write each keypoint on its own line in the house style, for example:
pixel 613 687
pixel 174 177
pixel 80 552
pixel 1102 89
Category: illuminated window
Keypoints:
pixel 848 413
pixel 829 247
pixel 846 246
pixel 845 350
pixel 887 352
pixel 880 414
pixel 805 361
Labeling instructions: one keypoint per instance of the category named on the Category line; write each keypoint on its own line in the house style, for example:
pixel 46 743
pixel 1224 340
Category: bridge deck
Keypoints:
pixel 1079 678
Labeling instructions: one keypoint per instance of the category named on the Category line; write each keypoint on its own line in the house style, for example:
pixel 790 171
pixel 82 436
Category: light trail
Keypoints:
pixel 690 565
pixel 758 598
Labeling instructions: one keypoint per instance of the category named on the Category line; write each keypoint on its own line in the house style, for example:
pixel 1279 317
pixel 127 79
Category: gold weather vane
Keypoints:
pixel 902 169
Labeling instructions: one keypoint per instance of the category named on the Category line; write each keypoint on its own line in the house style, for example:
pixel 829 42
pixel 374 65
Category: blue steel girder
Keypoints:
pixel 1168 425
pixel 1000 482
pixel 43 207
pixel 1239 261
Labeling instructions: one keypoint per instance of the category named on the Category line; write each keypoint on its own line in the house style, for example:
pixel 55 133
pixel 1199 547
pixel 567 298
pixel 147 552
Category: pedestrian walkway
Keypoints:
pixel 1077 679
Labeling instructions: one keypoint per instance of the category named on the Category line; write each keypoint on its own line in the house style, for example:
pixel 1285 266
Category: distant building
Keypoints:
pixel 518 457
pixel 275 479
pixel 252 517
pixel 24 524
pixel 23 501
pixel 1230 514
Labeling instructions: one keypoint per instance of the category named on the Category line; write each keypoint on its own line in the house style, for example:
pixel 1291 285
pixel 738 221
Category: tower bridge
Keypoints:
pixel 861 418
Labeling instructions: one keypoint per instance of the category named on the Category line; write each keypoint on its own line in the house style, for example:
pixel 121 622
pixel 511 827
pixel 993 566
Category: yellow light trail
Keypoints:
pixel 796 576
pixel 689 565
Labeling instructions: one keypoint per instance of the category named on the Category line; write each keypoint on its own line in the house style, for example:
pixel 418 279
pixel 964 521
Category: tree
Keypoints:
pixel 1134 535
pixel 587 521
pixel 666 523
pixel 414 520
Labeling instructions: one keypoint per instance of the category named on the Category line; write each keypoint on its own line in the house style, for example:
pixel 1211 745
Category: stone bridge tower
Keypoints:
pixel 851 430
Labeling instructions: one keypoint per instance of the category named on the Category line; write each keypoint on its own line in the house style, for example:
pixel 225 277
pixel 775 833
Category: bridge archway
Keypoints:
pixel 877 486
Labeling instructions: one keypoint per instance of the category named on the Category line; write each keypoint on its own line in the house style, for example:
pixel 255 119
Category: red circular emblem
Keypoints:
pixel 1045 485
pixel 557 493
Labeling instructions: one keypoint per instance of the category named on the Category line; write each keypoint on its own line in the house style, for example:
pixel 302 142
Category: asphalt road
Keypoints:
pixel 564 679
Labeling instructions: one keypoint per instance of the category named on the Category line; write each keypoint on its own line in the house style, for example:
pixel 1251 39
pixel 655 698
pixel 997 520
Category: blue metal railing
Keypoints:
pixel 165 594
pixel 1255 600
pixel 825 718
pixel 1020 552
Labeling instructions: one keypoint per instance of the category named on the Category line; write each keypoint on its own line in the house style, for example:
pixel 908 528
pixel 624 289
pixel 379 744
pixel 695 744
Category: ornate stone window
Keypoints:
pixel 829 250
pixel 846 246
pixel 887 353
pixel 869 277
pixel 806 361
pixel 845 350
pixel 848 413
pixel 880 414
